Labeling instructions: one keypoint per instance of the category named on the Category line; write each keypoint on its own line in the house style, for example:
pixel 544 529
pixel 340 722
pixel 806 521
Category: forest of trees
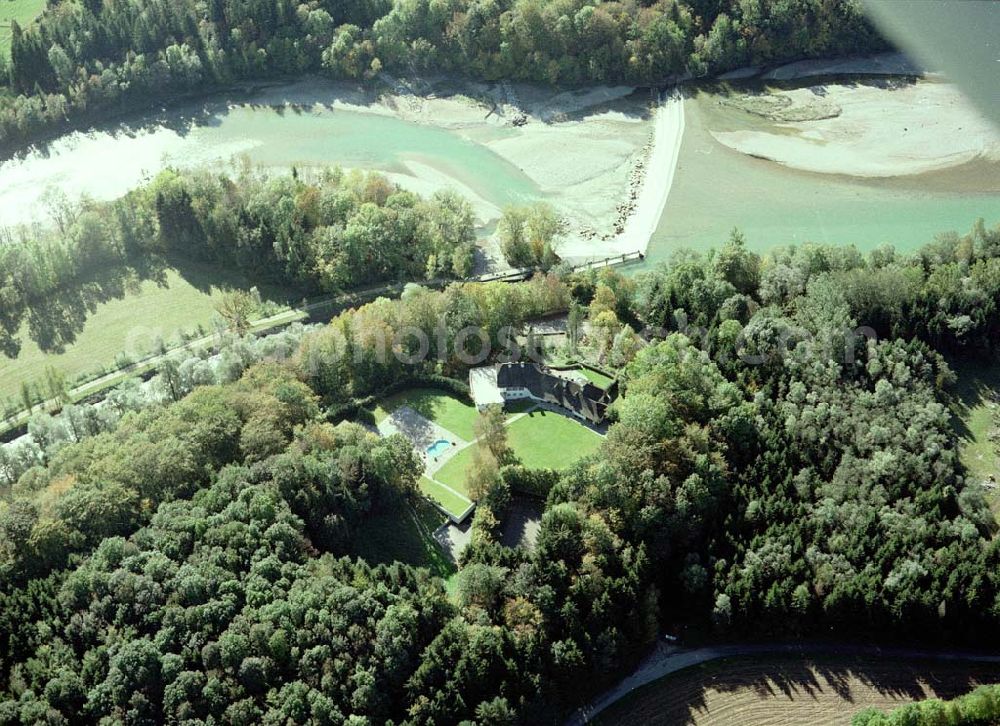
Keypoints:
pixel 337 232
pixel 363 351
pixel 176 376
pixel 529 236
pixel 86 58
pixel 766 472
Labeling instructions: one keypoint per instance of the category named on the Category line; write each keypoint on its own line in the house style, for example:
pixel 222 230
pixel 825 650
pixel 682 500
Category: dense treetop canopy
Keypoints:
pixel 782 460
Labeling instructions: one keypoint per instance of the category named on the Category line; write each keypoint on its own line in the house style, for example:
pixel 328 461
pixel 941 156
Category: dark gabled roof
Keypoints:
pixel 518 375
pixel 586 399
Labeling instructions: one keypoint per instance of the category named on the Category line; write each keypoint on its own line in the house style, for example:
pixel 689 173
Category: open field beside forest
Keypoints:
pixel 789 691
pixel 134 322
pixel 131 323
pixel 23 11
pixel 277 291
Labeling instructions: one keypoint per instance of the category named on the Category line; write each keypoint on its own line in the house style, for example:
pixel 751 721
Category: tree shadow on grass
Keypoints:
pixel 55 321
pixel 823 690
pixel 978 383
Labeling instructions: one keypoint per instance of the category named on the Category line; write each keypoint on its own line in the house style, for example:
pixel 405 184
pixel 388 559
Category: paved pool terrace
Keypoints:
pixel 424 434
pixel 427 437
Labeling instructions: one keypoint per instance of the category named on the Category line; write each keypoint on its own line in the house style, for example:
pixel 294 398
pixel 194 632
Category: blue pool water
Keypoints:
pixel 438 447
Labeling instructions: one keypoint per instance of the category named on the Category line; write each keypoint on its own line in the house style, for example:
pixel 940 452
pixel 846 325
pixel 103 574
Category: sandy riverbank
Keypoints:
pixel 870 129
pixel 647 195
pixel 589 151
pixel 603 157
pixel 717 188
pixel 496 144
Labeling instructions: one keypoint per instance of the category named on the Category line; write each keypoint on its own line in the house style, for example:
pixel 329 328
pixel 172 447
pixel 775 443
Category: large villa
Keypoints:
pixel 507 382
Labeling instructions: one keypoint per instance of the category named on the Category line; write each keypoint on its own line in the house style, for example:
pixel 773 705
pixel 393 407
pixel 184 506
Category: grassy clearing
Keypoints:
pixel 453 472
pixel 404 535
pixel 978 391
pixel 451 587
pixel 543 439
pixel 781 691
pixel 442 408
pixel 131 323
pixel 23 11
pixel 444 496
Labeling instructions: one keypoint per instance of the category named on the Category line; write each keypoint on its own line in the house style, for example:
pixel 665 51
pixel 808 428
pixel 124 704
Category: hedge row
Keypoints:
pixel 533 482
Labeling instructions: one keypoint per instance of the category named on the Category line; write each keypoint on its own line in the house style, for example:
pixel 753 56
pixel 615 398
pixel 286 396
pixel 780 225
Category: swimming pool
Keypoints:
pixel 438 447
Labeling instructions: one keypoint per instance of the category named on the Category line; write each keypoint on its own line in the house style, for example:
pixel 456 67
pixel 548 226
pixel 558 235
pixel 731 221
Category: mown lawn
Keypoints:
pixel 541 439
pixel 598 379
pixel 444 496
pixel 453 473
pixel 131 323
pixel 23 11
pixel 442 408
pixel 404 535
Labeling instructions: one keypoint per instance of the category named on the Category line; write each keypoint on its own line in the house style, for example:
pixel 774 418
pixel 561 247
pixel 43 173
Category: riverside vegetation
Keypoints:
pixel 337 232
pixel 84 59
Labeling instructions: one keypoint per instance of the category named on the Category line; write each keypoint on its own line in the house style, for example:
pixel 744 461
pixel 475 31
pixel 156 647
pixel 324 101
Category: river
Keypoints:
pixel 108 161
pixel 715 188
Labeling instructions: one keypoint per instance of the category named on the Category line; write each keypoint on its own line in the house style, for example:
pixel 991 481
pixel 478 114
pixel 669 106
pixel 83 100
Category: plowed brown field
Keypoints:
pixel 785 691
